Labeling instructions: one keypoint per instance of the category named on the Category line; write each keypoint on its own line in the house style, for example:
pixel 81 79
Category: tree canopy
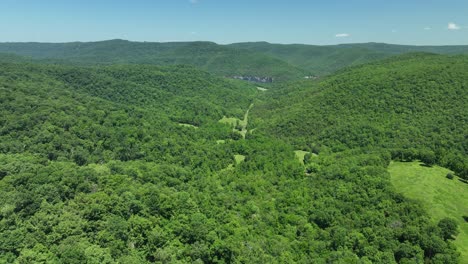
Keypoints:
pixel 131 164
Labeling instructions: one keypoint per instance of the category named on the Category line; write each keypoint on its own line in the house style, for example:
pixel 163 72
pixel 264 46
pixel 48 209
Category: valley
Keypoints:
pixel 141 152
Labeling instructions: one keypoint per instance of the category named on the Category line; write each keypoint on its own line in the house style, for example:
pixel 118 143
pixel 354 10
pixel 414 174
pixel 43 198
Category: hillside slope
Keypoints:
pixel 118 112
pixel 441 197
pixel 254 59
pixel 317 60
pixel 322 60
pixel 414 105
pixel 208 56
pixel 95 167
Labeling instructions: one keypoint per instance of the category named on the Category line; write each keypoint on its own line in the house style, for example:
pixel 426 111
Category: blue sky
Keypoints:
pixel 429 22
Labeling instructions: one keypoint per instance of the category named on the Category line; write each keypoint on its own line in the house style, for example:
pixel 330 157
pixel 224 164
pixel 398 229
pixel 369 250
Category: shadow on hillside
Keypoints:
pixel 425 165
pixel 463 180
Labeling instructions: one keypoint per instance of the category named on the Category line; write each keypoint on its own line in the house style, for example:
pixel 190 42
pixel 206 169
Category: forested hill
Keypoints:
pixel 322 60
pixel 130 164
pixel 81 113
pixel 317 60
pixel 399 49
pixel 255 59
pixel 413 105
pixel 181 92
pixel 217 59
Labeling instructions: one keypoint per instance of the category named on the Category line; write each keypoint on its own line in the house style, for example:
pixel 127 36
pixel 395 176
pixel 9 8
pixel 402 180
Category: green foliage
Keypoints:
pixel 217 59
pixel 321 60
pixel 82 115
pixel 414 105
pixel 448 227
pixel 441 197
pixel 136 211
pixel 317 60
pixel 260 59
pixel 96 168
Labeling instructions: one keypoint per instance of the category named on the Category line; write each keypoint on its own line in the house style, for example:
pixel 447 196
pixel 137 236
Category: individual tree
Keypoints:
pixel 448 228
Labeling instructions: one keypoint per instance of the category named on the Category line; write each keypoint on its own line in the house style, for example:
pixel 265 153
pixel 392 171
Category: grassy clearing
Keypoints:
pixel 243 132
pixel 300 154
pixel 220 141
pixel 188 125
pixel 239 158
pixel 262 89
pixel 237 124
pixel 100 169
pixel 232 121
pixel 441 197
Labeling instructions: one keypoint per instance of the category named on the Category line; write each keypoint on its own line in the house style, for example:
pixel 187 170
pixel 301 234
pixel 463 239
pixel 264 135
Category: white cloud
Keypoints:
pixel 427 28
pixel 342 35
pixel 453 26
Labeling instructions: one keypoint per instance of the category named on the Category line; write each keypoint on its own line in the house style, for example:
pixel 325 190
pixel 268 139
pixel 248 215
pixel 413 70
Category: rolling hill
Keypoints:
pixel 323 60
pixel 413 105
pixel 61 111
pixel 217 59
pixel 440 195
pixel 130 164
pixel 255 59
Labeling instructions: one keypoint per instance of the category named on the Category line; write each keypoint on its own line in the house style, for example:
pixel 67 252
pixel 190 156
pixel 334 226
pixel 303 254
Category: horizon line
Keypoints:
pixel 223 44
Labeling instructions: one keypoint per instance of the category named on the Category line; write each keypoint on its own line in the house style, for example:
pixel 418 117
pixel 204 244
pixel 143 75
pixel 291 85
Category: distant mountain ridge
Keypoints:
pixel 280 62
pixel 320 60
pixel 217 59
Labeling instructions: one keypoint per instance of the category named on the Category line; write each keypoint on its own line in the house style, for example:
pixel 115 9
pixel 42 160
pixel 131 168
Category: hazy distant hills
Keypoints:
pixel 260 59
pixel 398 49
pixel 218 59
pixel 319 60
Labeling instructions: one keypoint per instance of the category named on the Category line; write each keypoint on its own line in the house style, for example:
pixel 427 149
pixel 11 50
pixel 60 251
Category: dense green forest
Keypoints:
pixel 260 59
pixel 322 60
pixel 413 105
pixel 218 59
pixel 317 60
pixel 129 163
